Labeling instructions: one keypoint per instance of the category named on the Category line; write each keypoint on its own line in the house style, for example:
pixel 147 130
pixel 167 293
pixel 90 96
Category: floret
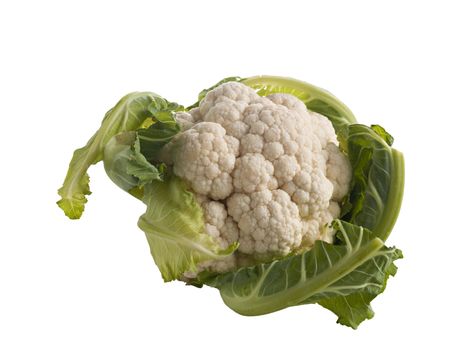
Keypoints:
pixel 269 223
pixel 204 156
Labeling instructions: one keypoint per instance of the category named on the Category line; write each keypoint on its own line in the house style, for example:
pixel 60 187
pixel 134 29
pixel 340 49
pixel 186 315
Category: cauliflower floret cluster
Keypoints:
pixel 269 222
pixel 268 173
pixel 204 156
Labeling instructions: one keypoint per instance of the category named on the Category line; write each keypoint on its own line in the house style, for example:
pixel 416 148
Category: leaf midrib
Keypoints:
pixel 254 304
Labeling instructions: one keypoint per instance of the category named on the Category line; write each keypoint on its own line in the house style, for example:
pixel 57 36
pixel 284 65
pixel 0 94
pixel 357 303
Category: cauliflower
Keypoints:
pixel 267 172
pixel 243 189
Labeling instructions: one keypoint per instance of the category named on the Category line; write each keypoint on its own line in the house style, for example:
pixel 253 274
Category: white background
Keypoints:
pixel 92 284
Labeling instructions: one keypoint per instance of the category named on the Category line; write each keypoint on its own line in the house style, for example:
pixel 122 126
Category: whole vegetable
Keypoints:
pixel 266 188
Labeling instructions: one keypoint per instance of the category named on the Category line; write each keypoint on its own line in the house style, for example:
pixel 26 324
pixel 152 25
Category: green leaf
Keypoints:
pixel 358 263
pixel 174 227
pixel 152 139
pixel 355 308
pixel 383 134
pixel 73 200
pixel 142 169
pixel 352 309
pixel 126 166
pixel 130 158
pixel 118 153
pixel 377 185
pixel 128 114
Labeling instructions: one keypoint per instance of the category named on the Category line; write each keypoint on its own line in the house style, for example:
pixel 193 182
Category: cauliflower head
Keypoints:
pixel 267 172
pixel 243 189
